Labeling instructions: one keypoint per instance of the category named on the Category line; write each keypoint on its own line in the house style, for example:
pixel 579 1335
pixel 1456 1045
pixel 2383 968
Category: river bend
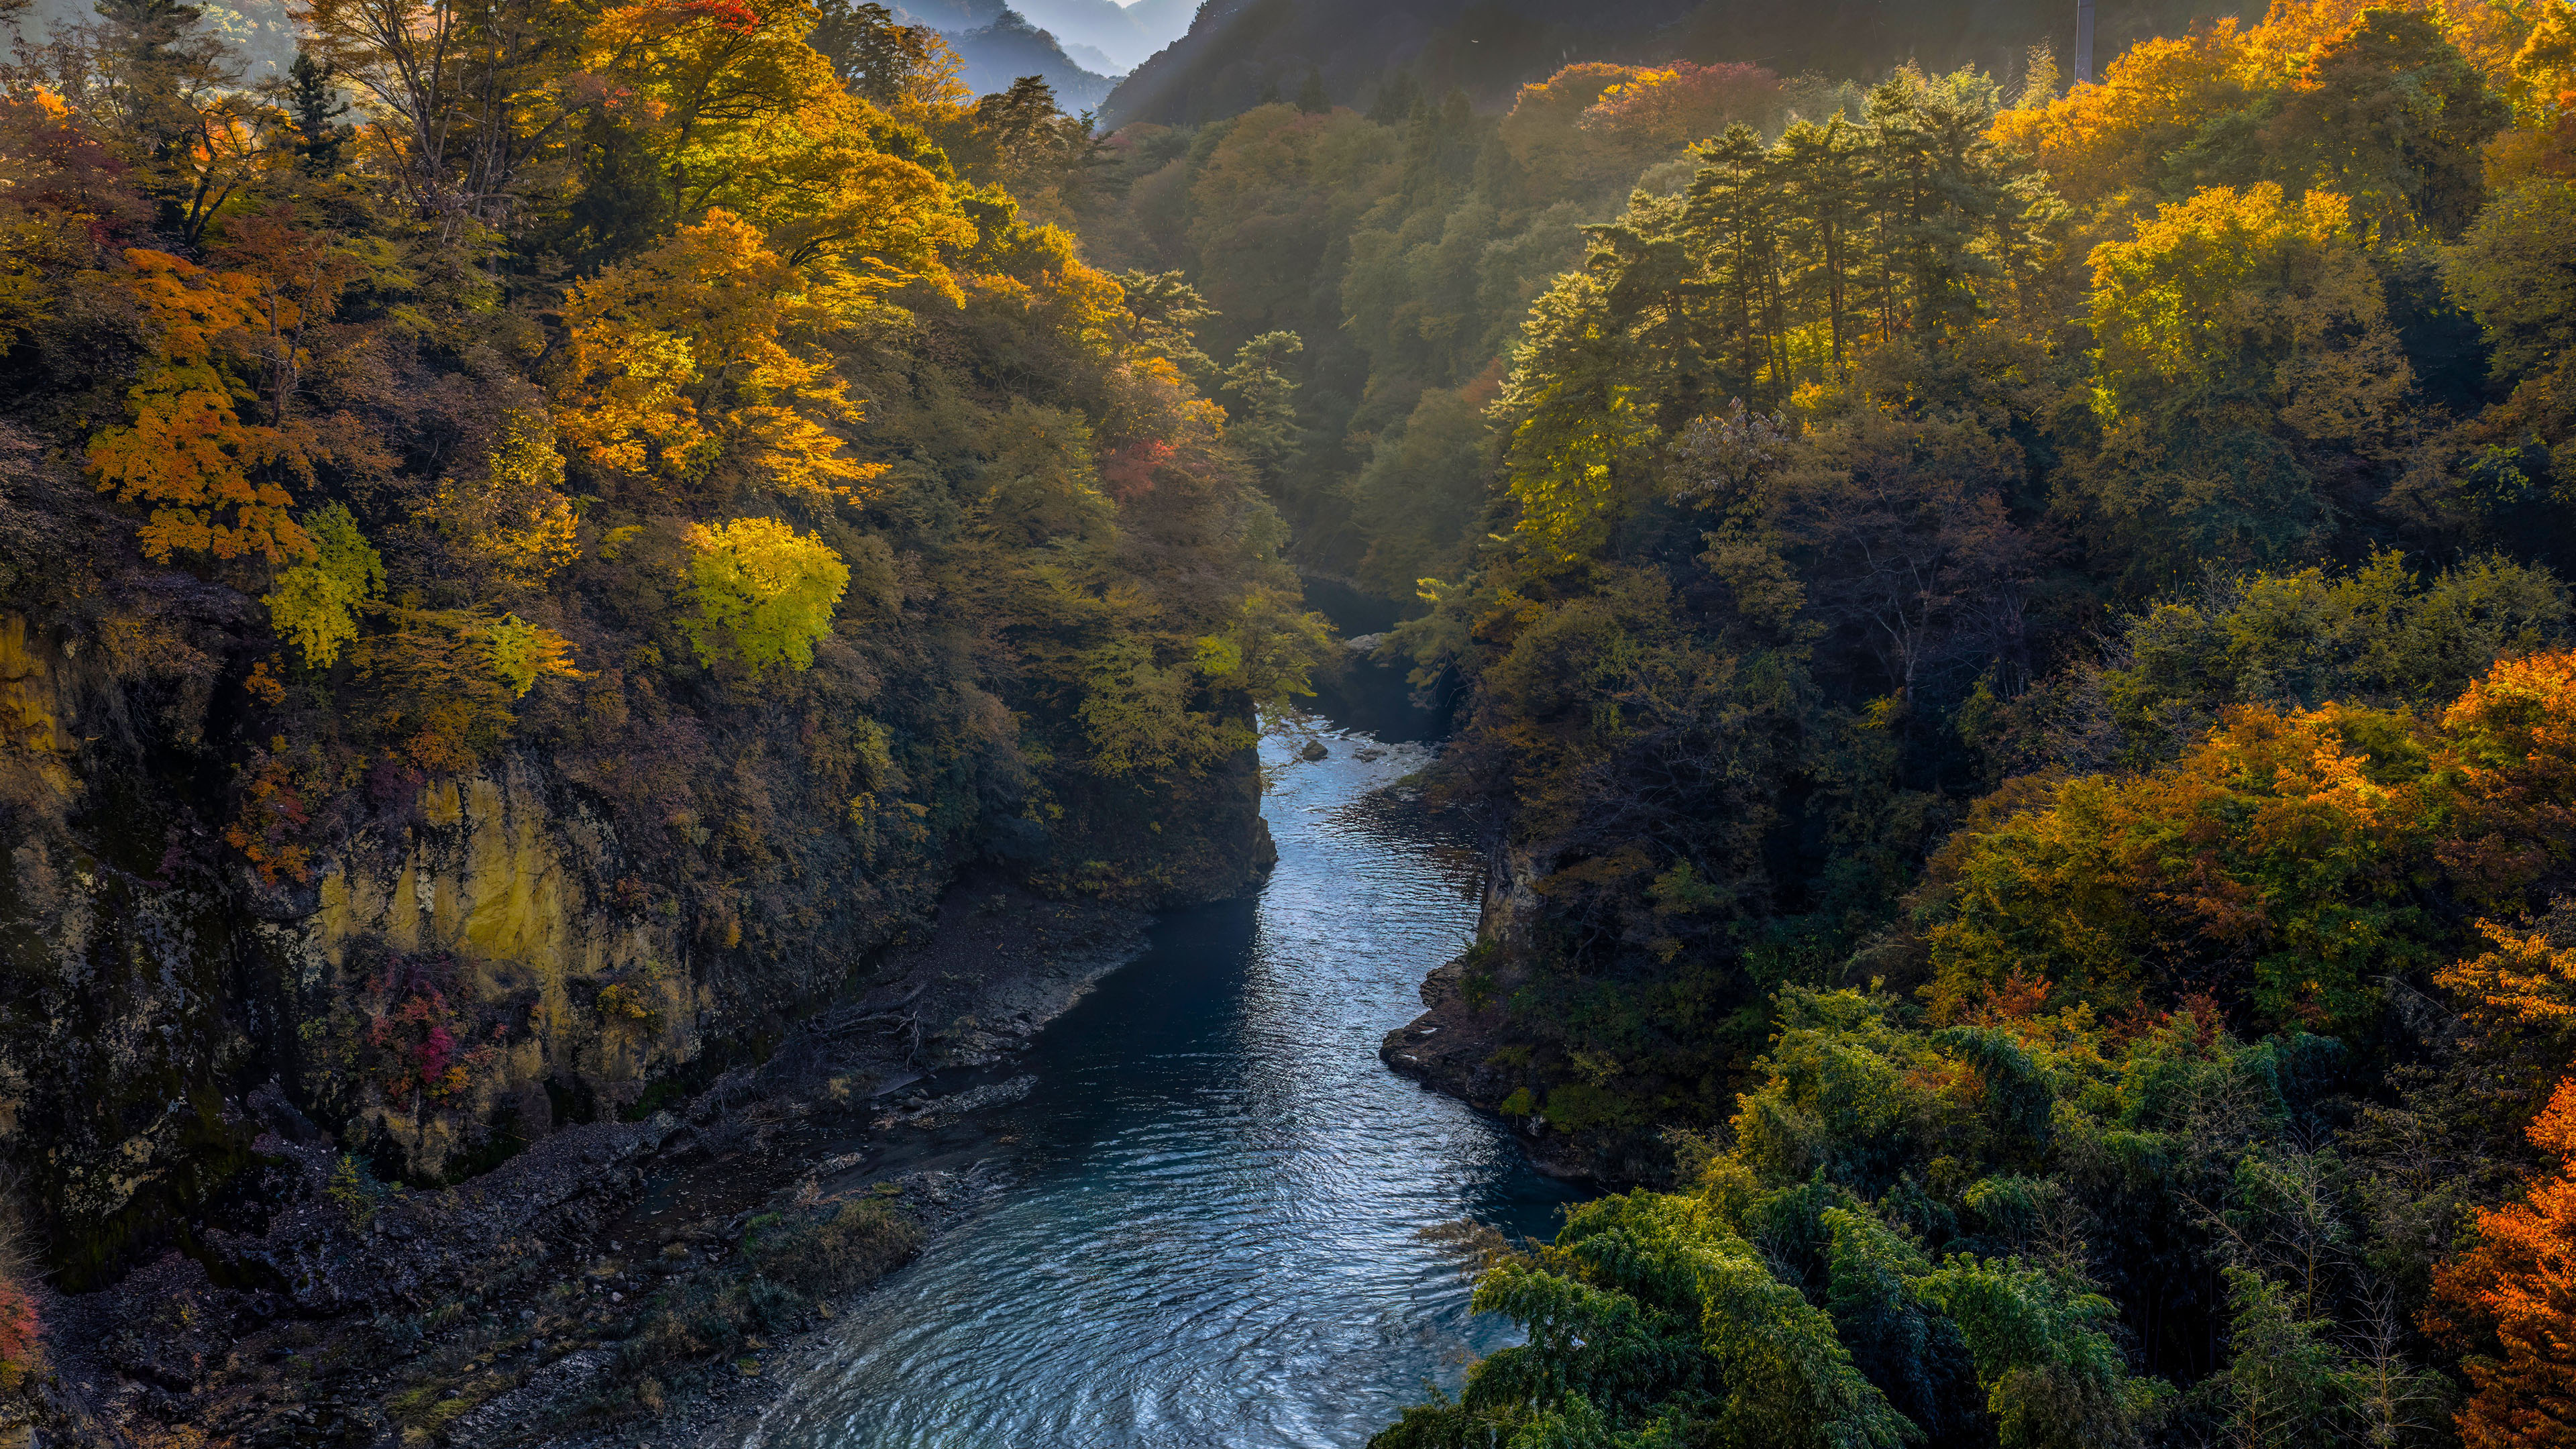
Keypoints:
pixel 1209 1232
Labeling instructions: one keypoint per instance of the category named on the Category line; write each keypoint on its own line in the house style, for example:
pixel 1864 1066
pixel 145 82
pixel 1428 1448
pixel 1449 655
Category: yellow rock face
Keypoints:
pixel 26 690
pixel 33 736
pixel 496 878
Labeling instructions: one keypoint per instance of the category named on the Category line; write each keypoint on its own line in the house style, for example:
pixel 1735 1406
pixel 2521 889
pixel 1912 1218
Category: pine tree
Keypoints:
pixel 1731 226
pixel 1311 97
pixel 315 103
pixel 1396 96
pixel 1824 174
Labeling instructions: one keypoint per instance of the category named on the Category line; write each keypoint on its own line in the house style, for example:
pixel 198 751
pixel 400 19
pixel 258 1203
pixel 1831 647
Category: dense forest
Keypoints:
pixel 531 546
pixel 2014 640
pixel 2007 638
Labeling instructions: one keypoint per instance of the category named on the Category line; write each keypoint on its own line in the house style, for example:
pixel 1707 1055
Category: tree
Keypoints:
pixel 1903 534
pixel 894 66
pixel 209 478
pixel 1312 99
pixel 166 90
pixel 737 113
pixel 763 593
pixel 2134 128
pixel 1650 1321
pixel 1137 715
pixel 2390 115
pixel 2512 1290
pixel 2514 270
pixel 2043 1350
pixel 464 94
pixel 1731 231
pixel 2265 867
pixel 1421 488
pixel 2378 635
pixel 507 524
pixel 316 604
pixel 1263 424
pixel 1673 106
pixel 692 361
pixel 1164 313
pixel 2286 1376
pixel 2237 330
pixel 1822 170
pixel 314 103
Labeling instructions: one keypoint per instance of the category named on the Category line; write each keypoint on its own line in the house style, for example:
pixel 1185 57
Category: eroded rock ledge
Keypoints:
pixel 531 1304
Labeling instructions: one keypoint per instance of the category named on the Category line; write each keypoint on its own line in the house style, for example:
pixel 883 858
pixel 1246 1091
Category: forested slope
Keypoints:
pixel 1239 53
pixel 2014 642
pixel 512 592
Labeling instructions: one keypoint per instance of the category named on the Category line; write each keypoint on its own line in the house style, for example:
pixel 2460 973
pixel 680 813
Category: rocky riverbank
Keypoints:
pixel 1451 1048
pixel 621 1282
pixel 1463 1044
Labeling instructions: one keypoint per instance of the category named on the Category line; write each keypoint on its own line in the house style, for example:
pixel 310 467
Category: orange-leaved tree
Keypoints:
pixel 698 354
pixel 2517 1280
pixel 2511 768
pixel 211 480
pixel 1677 104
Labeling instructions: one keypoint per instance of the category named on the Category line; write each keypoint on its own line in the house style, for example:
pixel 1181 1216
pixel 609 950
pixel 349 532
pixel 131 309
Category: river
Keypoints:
pixel 1208 1232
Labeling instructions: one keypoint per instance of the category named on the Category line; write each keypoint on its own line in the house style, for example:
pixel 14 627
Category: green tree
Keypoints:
pixel 2377 635
pixel 1312 99
pixel 2286 1380
pixel 2054 1377
pixel 1421 489
pixel 2514 270
pixel 315 104
pixel 1263 423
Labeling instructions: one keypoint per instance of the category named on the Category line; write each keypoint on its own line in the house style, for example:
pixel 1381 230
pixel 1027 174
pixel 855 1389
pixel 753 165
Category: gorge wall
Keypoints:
pixel 480 961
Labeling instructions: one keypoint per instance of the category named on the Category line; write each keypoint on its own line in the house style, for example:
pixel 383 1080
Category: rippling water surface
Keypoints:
pixel 1209 1237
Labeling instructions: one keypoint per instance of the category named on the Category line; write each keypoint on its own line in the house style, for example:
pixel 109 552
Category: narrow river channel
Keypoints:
pixel 1208 1237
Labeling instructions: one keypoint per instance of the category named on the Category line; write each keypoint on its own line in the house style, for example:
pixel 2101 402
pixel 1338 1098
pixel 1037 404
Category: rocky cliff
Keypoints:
pixel 472 963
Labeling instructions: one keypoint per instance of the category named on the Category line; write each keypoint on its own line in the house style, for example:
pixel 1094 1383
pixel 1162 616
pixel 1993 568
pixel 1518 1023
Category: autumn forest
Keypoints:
pixel 2003 643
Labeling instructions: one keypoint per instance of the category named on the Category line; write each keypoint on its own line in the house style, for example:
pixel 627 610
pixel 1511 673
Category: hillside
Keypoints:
pixel 475 698
pixel 998 45
pixel 1240 52
pixel 2011 644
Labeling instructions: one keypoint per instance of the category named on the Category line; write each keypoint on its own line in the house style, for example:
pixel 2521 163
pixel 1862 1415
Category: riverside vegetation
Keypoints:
pixel 533 544
pixel 2015 642
pixel 2009 639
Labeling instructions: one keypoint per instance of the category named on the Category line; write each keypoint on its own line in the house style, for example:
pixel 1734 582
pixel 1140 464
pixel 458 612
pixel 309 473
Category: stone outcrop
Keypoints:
pixel 508 878
pixel 448 971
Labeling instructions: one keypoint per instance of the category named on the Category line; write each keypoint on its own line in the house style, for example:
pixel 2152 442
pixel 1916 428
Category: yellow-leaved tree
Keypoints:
pixel 1136 713
pixel 763 593
pixel 2245 292
pixel 743 115
pixel 315 604
pixel 2237 334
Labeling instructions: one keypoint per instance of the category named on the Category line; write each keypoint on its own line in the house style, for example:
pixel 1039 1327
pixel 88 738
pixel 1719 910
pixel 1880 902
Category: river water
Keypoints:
pixel 1208 1235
